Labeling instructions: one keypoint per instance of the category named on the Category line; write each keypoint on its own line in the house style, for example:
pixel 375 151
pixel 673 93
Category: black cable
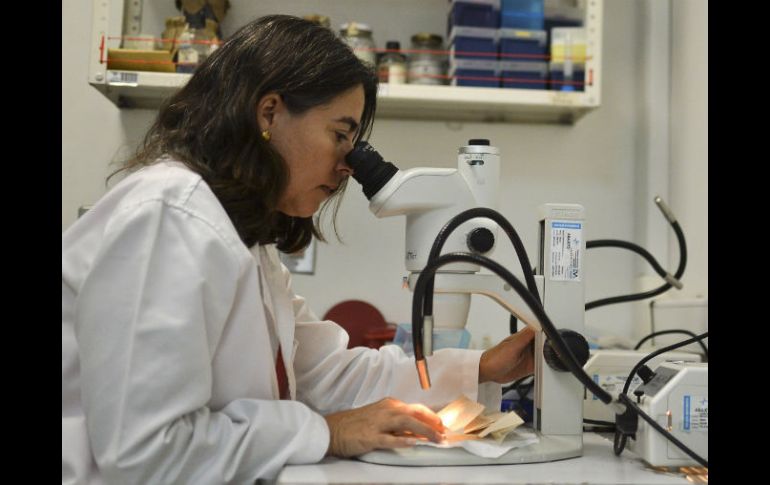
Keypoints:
pixel 630 403
pixel 443 234
pixel 523 388
pixel 617 243
pixel 666 332
pixel 661 289
pixel 562 351
pixel 598 426
pixel 619 443
pixel 512 324
pixel 515 384
pixel 597 422
pixel 656 353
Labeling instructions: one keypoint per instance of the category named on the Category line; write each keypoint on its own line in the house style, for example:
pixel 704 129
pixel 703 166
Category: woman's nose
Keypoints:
pixel 344 169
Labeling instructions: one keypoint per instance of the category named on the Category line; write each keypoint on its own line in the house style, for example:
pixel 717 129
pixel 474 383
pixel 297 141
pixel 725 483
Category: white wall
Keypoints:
pixel 594 163
pixel 689 139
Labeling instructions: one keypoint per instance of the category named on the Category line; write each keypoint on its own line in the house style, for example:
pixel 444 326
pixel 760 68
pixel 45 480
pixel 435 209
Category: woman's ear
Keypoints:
pixel 267 108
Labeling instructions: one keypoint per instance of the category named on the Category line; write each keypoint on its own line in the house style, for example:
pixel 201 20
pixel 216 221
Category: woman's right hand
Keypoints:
pixel 388 423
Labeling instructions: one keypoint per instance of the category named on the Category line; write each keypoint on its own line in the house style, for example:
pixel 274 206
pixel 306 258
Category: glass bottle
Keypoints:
pixel 359 37
pixel 392 65
pixel 427 62
pixel 187 56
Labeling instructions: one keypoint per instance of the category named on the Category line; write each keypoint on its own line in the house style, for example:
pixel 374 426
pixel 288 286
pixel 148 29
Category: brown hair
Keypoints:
pixel 211 125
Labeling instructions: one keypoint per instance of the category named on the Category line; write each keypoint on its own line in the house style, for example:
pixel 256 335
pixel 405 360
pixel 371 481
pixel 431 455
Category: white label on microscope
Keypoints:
pixel 566 238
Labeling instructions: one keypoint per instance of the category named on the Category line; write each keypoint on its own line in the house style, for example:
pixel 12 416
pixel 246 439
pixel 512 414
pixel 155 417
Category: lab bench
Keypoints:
pixel 598 465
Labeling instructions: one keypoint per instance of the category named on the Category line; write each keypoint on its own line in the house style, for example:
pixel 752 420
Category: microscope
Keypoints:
pixel 468 197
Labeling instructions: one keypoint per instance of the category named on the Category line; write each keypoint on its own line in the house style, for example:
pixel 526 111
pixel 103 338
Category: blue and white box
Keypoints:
pixel 523 75
pixel 474 72
pixel 523 45
pixel 474 13
pixel 473 43
pixel 522 14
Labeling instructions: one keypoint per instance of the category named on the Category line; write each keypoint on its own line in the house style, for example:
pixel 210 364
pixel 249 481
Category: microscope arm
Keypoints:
pixel 420 190
pixel 484 284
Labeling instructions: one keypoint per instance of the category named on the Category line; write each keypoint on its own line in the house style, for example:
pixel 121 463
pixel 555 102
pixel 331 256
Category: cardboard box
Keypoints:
pixel 140 60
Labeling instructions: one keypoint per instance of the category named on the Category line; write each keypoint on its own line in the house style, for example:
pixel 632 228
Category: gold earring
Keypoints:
pixel 266 135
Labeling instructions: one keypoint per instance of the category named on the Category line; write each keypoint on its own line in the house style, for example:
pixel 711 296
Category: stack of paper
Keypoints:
pixel 465 420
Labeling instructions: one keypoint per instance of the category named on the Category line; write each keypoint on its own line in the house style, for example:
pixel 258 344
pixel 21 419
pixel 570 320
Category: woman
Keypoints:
pixel 186 356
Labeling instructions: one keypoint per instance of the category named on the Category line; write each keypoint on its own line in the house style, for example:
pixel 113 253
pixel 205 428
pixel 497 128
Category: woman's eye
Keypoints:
pixel 341 137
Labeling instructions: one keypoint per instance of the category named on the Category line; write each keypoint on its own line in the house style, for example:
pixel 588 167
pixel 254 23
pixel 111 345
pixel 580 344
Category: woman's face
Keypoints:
pixel 314 145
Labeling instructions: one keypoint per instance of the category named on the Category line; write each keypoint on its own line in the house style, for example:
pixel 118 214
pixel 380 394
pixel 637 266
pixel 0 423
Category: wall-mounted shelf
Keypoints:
pixel 143 89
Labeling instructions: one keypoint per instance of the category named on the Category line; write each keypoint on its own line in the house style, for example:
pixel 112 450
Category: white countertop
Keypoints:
pixel 597 465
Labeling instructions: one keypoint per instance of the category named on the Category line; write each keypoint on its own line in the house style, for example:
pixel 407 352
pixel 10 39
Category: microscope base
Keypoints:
pixel 549 448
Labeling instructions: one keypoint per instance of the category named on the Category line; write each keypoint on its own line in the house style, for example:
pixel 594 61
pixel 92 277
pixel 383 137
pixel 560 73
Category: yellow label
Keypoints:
pixel 577 53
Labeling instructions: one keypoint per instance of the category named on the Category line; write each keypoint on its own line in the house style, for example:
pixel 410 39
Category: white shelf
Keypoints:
pixel 482 104
pixel 140 89
pixel 136 89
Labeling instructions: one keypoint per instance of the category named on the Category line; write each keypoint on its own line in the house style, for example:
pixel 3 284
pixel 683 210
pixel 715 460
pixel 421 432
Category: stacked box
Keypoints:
pixel 522 14
pixel 561 79
pixel 472 40
pixel 474 13
pixel 474 72
pixel 568 59
pixel 523 75
pixel 522 45
pixel 473 43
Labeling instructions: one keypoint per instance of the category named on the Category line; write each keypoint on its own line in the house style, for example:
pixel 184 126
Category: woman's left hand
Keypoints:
pixel 511 359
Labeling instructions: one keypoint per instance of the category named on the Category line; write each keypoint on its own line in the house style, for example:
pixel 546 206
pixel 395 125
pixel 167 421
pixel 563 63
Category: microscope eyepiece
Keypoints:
pixel 369 169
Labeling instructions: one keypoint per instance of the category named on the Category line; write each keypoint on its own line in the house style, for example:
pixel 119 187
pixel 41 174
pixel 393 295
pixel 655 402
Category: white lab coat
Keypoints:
pixel 168 370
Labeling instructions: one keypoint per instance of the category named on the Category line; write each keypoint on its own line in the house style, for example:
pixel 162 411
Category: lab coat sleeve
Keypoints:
pixel 331 377
pixel 150 314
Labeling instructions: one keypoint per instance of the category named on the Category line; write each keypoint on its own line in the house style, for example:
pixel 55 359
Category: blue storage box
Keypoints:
pixel 523 75
pixel 473 43
pixel 474 72
pixel 523 45
pixel 443 338
pixel 474 13
pixel 575 83
pixel 522 14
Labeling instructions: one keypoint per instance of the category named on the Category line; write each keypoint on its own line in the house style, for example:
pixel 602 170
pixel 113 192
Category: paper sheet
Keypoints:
pixel 486 435
pixel 458 413
pixel 487 447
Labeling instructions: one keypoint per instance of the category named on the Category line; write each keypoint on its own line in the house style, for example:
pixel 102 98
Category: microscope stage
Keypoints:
pixel 548 448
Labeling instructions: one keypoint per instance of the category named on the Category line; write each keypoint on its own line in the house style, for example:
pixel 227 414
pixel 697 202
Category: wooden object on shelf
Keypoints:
pixel 140 60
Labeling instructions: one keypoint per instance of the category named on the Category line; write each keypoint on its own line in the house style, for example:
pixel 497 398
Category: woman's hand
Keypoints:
pixel 388 423
pixel 511 359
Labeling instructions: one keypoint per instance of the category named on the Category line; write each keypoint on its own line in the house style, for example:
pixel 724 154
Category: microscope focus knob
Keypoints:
pixel 480 240
pixel 577 345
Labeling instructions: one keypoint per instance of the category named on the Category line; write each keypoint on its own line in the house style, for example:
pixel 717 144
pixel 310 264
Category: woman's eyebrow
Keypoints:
pixel 350 121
